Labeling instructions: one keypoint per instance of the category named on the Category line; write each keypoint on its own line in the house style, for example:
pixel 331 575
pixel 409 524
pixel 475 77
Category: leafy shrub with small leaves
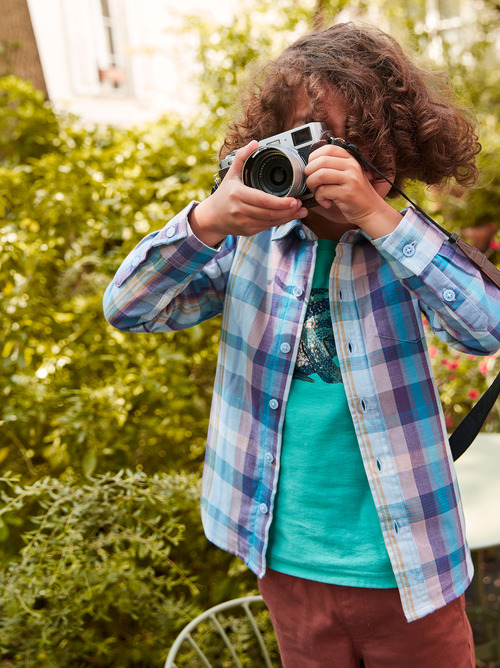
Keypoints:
pixel 112 568
pixel 76 392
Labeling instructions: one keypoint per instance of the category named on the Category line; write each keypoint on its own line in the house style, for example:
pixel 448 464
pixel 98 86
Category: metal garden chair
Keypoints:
pixel 226 635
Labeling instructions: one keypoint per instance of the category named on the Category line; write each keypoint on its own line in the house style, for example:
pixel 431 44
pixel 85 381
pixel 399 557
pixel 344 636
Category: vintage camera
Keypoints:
pixel 277 166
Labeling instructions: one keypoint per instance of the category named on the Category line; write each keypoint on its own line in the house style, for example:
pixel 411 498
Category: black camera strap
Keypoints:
pixel 469 427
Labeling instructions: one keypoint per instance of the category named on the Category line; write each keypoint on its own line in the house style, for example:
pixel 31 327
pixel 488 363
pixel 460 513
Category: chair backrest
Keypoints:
pixel 226 635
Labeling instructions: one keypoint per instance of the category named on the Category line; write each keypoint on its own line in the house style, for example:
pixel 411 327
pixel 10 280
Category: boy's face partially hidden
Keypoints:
pixel 330 222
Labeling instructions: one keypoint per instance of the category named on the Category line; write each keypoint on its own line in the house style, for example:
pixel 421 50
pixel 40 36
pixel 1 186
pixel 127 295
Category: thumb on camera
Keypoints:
pixel 241 155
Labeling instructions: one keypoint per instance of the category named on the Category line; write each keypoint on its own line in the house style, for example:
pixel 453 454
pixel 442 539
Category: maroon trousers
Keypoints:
pixel 322 625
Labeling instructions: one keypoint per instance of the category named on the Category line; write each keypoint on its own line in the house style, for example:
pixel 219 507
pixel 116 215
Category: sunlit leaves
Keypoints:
pixel 74 391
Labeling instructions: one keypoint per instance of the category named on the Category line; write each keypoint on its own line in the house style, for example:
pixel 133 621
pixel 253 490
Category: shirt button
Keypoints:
pixel 296 291
pixel 285 347
pixel 273 404
pixel 269 458
pixel 263 508
pixel 449 295
pixel 135 261
pixel 409 250
pixel 170 231
pixel 301 234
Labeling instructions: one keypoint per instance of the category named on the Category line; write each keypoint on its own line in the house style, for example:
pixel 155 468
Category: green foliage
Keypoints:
pixel 108 575
pixel 75 392
pixel 28 126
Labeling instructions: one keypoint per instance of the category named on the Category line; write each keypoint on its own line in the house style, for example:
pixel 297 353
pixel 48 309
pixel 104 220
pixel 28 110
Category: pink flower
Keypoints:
pixel 454 365
pixel 433 351
pixel 483 367
pixel 494 244
pixel 448 421
pixel 473 394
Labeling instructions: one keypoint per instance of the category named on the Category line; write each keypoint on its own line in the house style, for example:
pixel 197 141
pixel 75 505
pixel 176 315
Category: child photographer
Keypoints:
pixel 328 468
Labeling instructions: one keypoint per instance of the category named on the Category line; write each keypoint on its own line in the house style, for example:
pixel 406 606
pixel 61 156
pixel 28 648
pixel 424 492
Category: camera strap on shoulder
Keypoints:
pixel 469 427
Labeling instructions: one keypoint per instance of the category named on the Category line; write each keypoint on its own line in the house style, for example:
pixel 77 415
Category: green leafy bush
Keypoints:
pixel 75 392
pixel 112 569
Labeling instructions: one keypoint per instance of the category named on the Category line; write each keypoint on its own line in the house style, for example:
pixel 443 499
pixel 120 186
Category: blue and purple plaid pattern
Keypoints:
pixel 378 289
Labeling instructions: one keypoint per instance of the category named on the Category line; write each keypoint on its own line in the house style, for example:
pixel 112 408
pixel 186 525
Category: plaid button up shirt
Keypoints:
pixel 378 289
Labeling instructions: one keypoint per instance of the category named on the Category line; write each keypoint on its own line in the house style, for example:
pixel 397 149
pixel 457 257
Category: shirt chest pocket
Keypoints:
pixel 396 315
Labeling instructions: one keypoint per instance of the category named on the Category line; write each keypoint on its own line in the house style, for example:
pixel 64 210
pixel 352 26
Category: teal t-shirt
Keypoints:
pixel 325 526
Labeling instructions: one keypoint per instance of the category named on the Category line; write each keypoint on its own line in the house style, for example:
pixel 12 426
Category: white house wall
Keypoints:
pixel 155 59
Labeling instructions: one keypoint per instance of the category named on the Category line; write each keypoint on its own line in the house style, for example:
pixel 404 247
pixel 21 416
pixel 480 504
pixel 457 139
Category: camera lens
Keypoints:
pixel 277 176
pixel 277 171
pixel 274 174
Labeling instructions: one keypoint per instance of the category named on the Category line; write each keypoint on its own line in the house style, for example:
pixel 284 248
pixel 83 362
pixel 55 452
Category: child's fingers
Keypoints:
pixel 330 150
pixel 271 216
pixel 269 203
pixel 330 163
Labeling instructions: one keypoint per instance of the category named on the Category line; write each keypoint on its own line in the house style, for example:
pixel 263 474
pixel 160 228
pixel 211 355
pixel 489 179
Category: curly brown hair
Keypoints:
pixel 394 107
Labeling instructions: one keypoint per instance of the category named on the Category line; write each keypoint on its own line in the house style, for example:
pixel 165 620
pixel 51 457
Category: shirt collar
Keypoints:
pixel 293 227
pixel 296 226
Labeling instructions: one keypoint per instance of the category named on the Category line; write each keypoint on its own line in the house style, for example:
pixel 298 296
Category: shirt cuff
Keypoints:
pixel 413 244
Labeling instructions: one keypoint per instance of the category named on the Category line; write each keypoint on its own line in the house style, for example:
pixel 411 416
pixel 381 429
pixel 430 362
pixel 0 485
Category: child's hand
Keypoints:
pixel 337 179
pixel 240 210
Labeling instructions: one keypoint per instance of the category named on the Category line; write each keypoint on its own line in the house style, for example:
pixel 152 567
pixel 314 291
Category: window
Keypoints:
pixel 112 75
pixel 96 33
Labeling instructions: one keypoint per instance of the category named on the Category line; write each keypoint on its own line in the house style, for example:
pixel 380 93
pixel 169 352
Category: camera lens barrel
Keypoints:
pixel 277 171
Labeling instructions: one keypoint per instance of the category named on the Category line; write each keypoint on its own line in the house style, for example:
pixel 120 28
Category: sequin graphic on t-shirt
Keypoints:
pixel 317 346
